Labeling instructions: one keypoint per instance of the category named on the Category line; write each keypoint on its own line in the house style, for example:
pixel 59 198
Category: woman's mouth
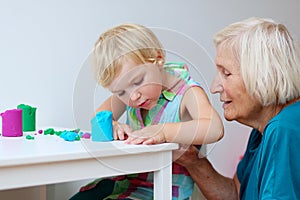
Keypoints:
pixel 226 103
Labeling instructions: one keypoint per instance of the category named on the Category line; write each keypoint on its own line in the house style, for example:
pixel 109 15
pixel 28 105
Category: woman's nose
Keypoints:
pixel 216 85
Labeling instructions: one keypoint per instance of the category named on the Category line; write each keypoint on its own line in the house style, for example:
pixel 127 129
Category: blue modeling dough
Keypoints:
pixel 69 136
pixel 102 126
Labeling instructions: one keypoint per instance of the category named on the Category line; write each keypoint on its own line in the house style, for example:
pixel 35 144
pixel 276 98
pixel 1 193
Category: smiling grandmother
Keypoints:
pixel 258 80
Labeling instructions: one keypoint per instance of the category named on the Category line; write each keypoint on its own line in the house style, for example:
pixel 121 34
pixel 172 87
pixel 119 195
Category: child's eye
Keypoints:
pixel 139 82
pixel 121 93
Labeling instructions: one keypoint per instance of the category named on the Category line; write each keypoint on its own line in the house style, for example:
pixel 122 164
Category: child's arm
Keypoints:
pixel 201 124
pixel 117 107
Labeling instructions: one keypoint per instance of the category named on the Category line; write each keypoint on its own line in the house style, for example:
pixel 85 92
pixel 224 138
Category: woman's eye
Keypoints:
pixel 139 82
pixel 226 73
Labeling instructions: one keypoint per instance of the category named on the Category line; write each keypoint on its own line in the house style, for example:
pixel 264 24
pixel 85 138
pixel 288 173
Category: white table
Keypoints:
pixel 48 159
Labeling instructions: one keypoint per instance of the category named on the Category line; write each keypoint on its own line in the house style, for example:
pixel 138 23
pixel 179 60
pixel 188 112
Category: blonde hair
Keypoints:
pixel 269 58
pixel 131 41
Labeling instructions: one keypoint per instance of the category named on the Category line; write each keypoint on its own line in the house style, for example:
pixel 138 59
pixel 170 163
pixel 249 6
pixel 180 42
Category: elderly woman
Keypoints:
pixel 258 79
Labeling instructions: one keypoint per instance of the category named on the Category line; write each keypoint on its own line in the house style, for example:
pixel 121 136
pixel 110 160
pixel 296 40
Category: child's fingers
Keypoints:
pixel 134 140
pixel 121 134
pixel 121 131
pixel 149 141
pixel 128 139
pixel 158 139
pixel 115 134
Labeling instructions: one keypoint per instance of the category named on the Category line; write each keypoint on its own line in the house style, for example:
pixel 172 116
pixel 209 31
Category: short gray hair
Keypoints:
pixel 269 58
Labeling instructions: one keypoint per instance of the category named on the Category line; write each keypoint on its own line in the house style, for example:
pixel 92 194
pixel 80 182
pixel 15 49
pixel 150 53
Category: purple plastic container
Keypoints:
pixel 12 123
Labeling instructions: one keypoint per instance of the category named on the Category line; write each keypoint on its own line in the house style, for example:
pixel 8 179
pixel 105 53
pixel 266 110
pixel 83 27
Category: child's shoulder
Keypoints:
pixel 179 69
pixel 175 65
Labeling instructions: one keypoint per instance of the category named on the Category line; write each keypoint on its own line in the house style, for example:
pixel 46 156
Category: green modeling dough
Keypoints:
pixel 29 137
pixel 49 131
pixel 28 117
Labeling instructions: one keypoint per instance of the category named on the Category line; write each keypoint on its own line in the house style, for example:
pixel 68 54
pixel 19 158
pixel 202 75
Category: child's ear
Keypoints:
pixel 160 59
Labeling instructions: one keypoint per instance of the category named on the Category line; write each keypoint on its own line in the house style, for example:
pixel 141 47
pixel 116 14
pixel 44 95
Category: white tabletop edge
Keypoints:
pixel 114 148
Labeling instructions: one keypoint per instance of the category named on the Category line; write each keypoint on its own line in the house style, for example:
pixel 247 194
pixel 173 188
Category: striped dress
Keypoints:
pixel 140 186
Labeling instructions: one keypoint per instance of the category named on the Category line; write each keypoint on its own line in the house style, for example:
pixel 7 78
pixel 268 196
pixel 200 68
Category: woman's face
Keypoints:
pixel 237 103
pixel 137 85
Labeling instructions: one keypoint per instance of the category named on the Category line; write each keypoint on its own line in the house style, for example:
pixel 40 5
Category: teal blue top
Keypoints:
pixel 270 168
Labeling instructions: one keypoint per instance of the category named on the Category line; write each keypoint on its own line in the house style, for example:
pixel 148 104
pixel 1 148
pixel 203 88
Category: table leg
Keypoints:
pixel 33 193
pixel 43 192
pixel 163 181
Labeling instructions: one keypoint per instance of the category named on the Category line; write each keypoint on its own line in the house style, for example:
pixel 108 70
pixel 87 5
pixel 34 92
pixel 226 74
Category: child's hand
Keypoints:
pixel 148 135
pixel 121 131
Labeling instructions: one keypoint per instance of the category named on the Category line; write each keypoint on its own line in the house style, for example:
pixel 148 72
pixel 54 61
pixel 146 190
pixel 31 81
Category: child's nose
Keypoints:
pixel 135 95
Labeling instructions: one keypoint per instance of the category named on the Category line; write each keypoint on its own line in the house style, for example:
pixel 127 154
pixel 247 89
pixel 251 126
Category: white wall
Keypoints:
pixel 44 46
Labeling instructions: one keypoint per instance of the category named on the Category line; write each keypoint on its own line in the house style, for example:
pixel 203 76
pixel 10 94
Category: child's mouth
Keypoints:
pixel 144 104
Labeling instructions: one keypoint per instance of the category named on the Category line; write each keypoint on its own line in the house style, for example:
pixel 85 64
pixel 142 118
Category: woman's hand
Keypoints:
pixel 187 156
pixel 148 135
pixel 121 131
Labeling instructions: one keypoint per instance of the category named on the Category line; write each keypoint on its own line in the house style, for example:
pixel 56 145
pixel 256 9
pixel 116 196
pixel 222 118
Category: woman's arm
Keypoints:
pixel 212 184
